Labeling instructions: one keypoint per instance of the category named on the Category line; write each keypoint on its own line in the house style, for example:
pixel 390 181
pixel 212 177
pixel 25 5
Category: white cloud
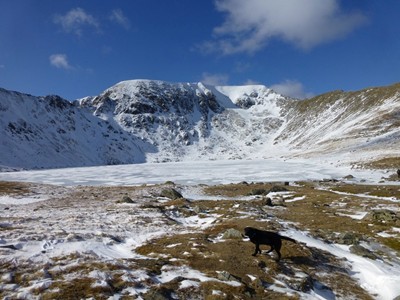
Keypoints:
pixel 118 16
pixel 252 82
pixel 250 24
pixel 215 79
pixel 75 20
pixel 291 88
pixel 60 61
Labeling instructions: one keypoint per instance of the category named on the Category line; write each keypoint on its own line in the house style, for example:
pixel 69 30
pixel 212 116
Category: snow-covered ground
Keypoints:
pixel 58 228
pixel 377 277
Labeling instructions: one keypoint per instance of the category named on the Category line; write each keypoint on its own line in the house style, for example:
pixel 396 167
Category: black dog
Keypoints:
pixel 261 237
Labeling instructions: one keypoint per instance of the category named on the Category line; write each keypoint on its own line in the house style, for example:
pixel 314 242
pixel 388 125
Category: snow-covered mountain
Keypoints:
pixel 153 121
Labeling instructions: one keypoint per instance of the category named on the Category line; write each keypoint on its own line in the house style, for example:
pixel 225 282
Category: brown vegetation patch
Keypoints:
pixel 387 163
pixel 13 188
pixel 234 190
pixel 371 190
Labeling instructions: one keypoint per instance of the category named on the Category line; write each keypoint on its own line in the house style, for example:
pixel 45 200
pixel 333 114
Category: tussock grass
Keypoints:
pixel 234 190
pixel 13 188
pixel 392 242
pixel 372 190
pixel 79 288
pixel 324 212
pixel 387 163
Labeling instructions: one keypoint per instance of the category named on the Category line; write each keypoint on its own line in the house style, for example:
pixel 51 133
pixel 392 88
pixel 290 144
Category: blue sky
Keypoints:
pixel 298 47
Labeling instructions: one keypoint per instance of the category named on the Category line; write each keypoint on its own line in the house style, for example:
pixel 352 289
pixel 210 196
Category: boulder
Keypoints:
pixel 277 189
pixel 158 294
pixel 383 216
pixel 256 192
pixel 361 251
pixel 126 199
pixel 268 201
pixel 171 193
pixel 232 234
pixel 226 276
pixel 304 284
pixel 199 210
pixel 349 238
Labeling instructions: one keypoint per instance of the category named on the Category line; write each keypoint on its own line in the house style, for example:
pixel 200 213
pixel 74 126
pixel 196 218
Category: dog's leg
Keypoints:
pixel 270 250
pixel 279 255
pixel 278 250
pixel 257 250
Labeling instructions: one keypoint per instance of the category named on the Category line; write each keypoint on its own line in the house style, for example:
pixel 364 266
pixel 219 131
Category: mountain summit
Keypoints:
pixel 154 121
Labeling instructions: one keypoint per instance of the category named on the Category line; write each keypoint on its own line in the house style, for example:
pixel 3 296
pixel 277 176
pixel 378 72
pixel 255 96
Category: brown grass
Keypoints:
pixel 234 190
pixel 13 188
pixel 388 163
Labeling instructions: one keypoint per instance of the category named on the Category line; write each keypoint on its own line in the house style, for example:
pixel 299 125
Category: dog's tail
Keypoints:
pixel 288 239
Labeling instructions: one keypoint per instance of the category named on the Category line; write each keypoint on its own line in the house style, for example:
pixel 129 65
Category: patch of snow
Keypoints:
pixel 356 216
pixel 8 200
pixel 169 273
pixel 386 234
pixel 377 277
pixel 295 199
pixel 392 199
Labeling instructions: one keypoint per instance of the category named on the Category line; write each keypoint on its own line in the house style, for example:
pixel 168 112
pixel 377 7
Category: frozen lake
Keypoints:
pixel 195 172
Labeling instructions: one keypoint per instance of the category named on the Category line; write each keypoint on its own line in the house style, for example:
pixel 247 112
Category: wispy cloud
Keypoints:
pixel 76 20
pixel 249 25
pixel 215 79
pixel 252 82
pixel 291 88
pixel 60 61
pixel 117 15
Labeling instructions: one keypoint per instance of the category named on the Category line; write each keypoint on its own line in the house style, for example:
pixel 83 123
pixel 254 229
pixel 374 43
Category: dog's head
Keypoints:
pixel 249 231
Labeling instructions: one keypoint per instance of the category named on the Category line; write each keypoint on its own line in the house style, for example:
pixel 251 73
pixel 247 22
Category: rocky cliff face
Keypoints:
pixel 154 121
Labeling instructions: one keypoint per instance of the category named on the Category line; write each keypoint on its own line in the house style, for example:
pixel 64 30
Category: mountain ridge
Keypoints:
pixel 138 121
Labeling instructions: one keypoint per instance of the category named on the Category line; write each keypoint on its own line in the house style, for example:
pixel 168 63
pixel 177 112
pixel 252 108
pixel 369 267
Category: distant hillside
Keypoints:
pixel 153 121
pixel 362 125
